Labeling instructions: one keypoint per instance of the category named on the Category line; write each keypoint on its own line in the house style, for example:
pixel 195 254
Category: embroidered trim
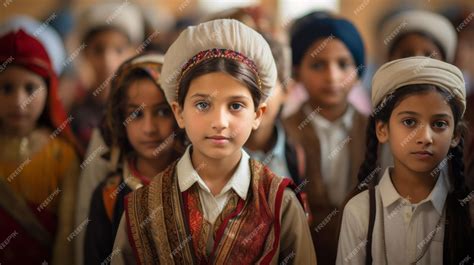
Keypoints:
pixel 218 53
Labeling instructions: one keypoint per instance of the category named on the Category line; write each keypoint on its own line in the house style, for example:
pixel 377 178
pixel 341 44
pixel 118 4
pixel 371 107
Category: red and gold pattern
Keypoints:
pixel 161 219
pixel 218 53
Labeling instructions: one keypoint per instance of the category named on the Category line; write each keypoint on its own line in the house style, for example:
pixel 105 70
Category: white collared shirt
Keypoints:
pixel 334 149
pixel 401 229
pixel 213 205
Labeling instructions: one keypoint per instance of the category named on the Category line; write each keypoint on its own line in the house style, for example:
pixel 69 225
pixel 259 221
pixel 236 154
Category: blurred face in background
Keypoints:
pixel 23 96
pixel 415 44
pixel 106 50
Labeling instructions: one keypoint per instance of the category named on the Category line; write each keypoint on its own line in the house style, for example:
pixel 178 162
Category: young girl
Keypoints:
pixel 418 213
pixel 328 58
pixel 139 123
pixel 216 205
pixel 38 162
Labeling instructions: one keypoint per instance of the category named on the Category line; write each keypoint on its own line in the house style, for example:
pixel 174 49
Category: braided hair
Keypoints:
pixel 459 241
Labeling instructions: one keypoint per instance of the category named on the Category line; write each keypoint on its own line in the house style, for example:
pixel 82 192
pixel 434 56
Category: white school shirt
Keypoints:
pixel 212 206
pixel 401 229
pixel 334 147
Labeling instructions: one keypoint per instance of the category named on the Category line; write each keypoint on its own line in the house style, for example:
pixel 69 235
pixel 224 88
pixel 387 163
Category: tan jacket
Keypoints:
pixel 325 223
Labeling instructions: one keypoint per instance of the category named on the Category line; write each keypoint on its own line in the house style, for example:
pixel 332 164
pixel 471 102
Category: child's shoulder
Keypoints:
pixel 357 209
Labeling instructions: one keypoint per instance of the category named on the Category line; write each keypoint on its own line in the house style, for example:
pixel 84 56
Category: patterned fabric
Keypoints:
pixel 219 53
pixel 162 220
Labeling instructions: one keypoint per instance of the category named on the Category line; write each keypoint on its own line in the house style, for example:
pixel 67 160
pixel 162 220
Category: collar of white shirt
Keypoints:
pixel 437 196
pixel 239 182
pixel 345 121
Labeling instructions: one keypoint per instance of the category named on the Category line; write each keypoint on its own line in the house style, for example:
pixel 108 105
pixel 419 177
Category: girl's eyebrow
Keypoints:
pixel 442 115
pixel 135 106
pixel 237 97
pixel 200 95
pixel 408 112
pixel 438 115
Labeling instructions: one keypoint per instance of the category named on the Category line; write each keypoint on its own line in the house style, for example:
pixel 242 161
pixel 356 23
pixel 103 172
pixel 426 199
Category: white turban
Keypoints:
pixel 418 70
pixel 227 34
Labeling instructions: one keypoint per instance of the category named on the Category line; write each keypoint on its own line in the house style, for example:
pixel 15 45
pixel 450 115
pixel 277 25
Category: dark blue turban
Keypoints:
pixel 316 25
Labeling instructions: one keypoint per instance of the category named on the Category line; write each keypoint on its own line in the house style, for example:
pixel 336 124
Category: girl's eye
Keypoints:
pixel 6 88
pixel 440 124
pixel 317 66
pixel 135 114
pixel 202 105
pixel 163 112
pixel 343 64
pixel 31 88
pixel 236 106
pixel 409 122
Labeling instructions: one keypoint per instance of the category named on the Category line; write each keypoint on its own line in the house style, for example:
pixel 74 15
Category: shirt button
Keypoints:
pixel 407 216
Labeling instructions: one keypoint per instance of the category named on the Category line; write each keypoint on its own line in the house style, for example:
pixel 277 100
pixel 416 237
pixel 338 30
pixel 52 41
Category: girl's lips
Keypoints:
pixel 422 154
pixel 219 140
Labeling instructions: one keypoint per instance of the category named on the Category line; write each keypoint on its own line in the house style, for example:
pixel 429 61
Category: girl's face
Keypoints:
pixel 106 51
pixel 419 135
pixel 414 44
pixel 148 120
pixel 218 115
pixel 328 72
pixel 23 95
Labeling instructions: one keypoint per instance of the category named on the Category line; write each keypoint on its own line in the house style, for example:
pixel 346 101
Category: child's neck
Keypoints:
pixel 331 113
pixel 149 168
pixel 262 139
pixel 215 172
pixel 412 185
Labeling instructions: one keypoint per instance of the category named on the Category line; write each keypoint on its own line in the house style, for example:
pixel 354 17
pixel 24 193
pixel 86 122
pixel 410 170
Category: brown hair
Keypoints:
pixel 113 130
pixel 240 71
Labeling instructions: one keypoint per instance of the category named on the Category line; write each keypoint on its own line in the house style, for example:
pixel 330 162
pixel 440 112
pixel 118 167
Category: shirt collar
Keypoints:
pixel 345 121
pixel 437 196
pixel 188 175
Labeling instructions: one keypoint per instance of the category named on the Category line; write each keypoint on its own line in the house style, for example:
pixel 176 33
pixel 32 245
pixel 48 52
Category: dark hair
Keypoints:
pixel 458 227
pixel 113 130
pixel 419 33
pixel 238 70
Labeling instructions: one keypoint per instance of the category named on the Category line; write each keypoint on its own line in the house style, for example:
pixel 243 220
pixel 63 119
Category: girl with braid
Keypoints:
pixel 418 213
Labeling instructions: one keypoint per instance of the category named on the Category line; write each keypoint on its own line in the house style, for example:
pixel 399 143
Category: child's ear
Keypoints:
pixel 178 114
pixel 456 139
pixel 381 130
pixel 259 115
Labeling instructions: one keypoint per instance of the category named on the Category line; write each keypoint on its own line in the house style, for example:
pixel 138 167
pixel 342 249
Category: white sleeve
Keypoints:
pixel 353 234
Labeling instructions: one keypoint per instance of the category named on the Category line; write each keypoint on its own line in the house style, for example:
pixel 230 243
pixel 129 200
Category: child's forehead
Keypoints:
pixel 218 85
pixel 144 90
pixel 434 103
pixel 107 36
pixel 19 73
